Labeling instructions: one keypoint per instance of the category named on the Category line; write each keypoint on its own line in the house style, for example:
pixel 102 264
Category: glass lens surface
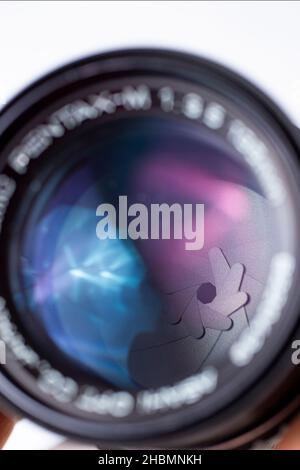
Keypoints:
pixel 145 312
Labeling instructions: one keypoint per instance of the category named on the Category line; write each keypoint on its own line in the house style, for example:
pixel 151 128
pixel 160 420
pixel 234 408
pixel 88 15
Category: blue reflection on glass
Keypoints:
pixel 92 296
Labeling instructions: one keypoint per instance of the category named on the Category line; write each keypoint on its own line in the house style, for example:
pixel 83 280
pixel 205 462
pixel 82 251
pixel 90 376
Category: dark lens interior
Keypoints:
pixel 144 313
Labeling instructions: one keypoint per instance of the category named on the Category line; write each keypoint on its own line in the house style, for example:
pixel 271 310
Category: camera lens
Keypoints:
pixel 149 207
pixel 65 271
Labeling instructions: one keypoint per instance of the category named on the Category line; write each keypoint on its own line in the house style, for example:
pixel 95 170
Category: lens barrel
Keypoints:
pixel 149 247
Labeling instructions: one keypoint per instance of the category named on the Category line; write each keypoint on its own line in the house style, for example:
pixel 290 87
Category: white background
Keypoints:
pixel 259 39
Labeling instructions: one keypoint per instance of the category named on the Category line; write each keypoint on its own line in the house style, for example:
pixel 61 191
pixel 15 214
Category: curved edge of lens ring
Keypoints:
pixel 12 116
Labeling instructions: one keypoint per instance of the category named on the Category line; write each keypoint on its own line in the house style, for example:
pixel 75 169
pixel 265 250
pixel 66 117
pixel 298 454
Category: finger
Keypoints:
pixel 291 438
pixel 6 426
pixel 213 319
pixel 219 265
pixel 234 279
pixel 228 305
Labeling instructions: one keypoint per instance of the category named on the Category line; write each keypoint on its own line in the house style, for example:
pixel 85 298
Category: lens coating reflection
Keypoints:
pixel 146 313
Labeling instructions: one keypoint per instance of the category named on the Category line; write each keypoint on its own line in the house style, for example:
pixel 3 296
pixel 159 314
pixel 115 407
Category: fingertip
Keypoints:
pixel 291 437
pixel 6 426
